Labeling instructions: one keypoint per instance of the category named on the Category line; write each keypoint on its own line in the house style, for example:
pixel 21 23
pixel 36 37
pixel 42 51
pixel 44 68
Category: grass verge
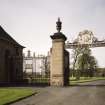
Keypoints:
pixel 73 81
pixel 9 95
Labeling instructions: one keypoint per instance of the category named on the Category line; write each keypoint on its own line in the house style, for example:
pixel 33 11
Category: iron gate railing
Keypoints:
pixel 37 78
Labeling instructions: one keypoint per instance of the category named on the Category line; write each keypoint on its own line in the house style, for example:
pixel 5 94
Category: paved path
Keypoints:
pixel 78 95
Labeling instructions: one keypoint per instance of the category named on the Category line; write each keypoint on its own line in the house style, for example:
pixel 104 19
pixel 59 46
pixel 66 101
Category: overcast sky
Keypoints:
pixel 31 22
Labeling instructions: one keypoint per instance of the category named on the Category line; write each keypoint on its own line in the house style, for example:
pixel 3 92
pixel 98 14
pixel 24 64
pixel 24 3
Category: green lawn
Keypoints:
pixel 73 80
pixel 12 94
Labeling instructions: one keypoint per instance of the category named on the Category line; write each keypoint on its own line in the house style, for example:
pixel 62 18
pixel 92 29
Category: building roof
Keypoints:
pixel 5 36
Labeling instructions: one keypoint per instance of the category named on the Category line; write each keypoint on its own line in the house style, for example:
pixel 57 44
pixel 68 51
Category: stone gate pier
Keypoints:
pixel 59 68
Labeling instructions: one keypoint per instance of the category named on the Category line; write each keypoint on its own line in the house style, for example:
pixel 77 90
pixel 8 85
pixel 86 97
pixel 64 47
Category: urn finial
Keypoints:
pixel 59 25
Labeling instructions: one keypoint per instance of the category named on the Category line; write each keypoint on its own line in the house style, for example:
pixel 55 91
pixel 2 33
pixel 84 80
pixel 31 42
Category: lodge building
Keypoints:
pixel 11 59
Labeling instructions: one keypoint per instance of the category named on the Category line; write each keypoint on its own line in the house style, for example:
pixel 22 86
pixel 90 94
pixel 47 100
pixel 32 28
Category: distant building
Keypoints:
pixel 11 59
pixel 35 65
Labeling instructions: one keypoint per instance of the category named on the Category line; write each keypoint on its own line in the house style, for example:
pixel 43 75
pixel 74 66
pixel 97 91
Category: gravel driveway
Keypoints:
pixel 93 93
